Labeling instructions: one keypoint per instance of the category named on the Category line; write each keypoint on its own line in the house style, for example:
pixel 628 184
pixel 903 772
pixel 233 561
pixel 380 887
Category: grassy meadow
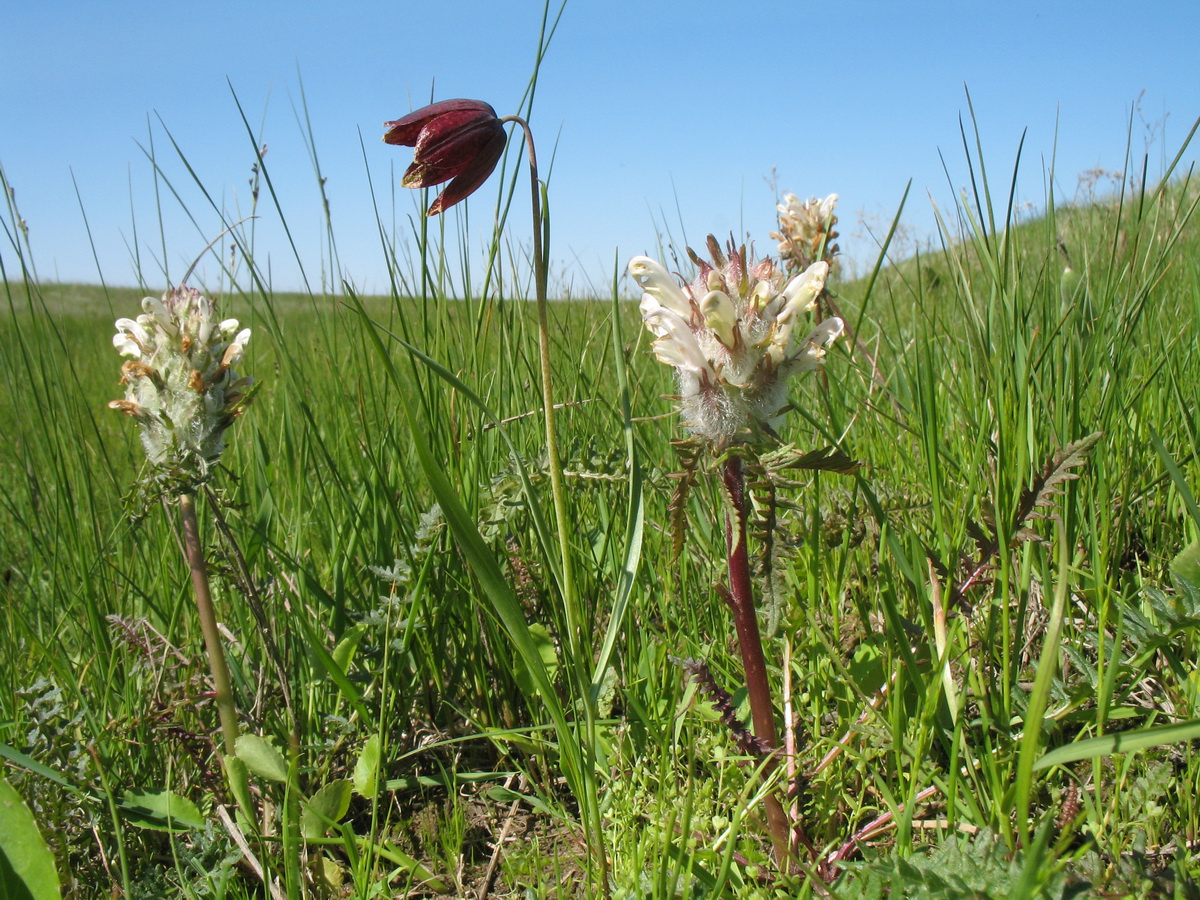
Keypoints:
pixel 986 634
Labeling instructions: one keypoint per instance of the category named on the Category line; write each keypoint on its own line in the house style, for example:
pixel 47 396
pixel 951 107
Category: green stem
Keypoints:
pixel 1031 741
pixel 571 613
pixel 745 620
pixel 291 822
pixel 118 828
pixel 554 460
pixel 208 623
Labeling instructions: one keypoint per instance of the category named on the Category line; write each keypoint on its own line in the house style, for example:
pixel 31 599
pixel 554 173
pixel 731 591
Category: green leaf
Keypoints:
pixel 635 505
pixel 261 758
pixel 26 864
pixel 326 806
pixel 501 599
pixel 343 653
pixel 535 509
pixel 427 879
pixel 32 765
pixel 829 459
pixel 366 770
pixel 981 866
pixel 545 649
pixel 1177 477
pixel 1186 565
pixel 161 811
pixel 1123 742
pixel 500 596
pixel 239 783
pixel 331 873
pixel 506 795
pixel 324 660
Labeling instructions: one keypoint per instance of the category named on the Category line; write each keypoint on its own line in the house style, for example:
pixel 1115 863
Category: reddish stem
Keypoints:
pixel 745 620
pixel 745 617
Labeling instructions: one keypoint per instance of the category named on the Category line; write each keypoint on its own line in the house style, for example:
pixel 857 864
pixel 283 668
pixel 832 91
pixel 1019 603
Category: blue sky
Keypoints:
pixel 665 114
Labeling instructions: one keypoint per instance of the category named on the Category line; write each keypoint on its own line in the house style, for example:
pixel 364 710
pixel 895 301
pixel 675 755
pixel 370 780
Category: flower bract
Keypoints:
pixel 731 337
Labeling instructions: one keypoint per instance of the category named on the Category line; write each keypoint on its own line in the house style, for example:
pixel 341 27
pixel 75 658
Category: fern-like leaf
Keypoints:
pixel 829 459
pixel 1040 495
pixel 689 455
pixel 722 702
pixel 1060 469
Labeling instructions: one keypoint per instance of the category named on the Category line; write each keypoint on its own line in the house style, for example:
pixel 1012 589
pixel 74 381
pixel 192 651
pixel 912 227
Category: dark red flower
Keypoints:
pixel 454 139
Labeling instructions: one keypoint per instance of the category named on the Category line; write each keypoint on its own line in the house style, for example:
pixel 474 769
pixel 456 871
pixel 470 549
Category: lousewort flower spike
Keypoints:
pixel 729 336
pixel 459 141
pixel 179 383
pixel 806 231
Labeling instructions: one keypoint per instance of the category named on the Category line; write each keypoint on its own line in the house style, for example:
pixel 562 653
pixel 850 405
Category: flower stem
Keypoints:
pixel 208 623
pixel 580 661
pixel 554 460
pixel 745 619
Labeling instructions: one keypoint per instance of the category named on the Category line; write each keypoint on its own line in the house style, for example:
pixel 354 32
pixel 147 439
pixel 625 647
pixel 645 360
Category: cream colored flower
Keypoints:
pixel 730 337
pixel 179 382
pixel 806 232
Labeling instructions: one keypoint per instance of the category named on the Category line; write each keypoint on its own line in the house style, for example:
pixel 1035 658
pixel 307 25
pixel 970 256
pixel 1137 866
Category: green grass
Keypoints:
pixel 983 369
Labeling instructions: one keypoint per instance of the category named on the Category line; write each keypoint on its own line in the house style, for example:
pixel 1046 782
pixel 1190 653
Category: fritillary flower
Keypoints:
pixel 459 141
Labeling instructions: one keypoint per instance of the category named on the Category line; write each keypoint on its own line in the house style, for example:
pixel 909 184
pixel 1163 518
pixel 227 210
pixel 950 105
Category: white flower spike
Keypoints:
pixel 728 336
pixel 806 232
pixel 179 384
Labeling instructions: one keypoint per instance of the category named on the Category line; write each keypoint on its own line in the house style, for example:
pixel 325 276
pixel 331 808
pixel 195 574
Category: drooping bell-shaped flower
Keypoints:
pixel 459 141
pixel 806 232
pixel 730 336
pixel 179 383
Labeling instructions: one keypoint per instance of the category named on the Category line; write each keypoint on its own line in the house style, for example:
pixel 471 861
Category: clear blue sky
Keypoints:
pixel 669 112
